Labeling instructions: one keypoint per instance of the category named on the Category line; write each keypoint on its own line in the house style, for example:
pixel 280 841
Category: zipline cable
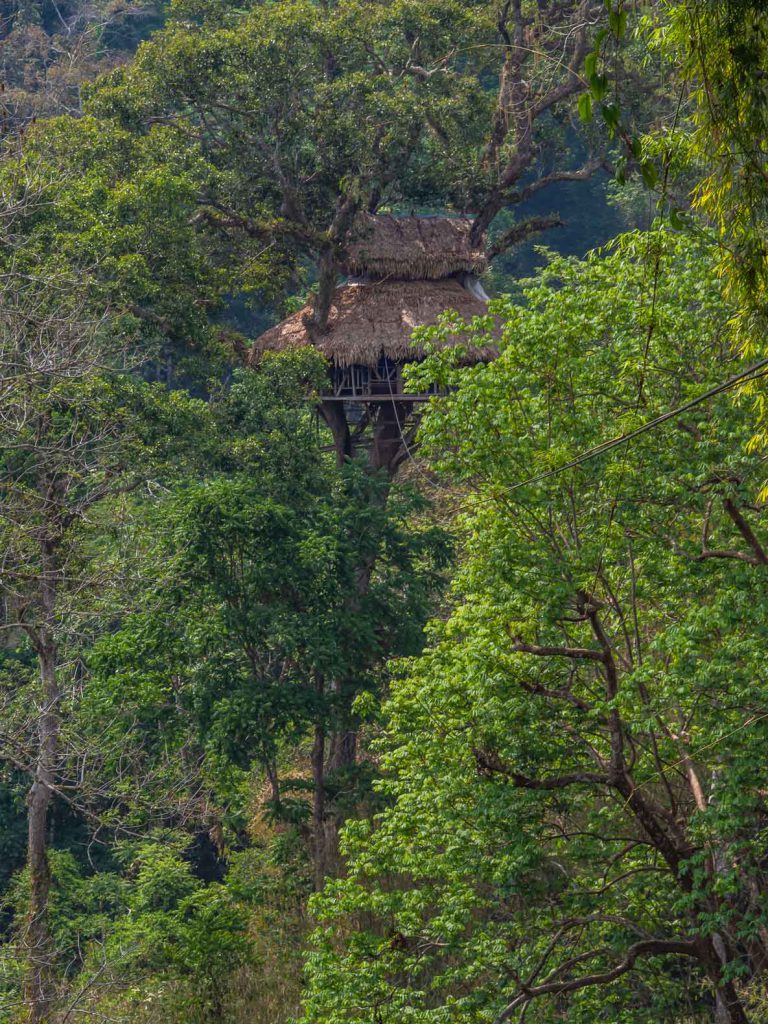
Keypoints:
pixel 752 373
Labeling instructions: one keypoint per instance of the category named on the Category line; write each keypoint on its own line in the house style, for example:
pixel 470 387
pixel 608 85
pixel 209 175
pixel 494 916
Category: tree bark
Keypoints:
pixel 38 946
pixel 335 417
pixel 728 1006
pixel 37 941
pixel 390 446
pixel 318 807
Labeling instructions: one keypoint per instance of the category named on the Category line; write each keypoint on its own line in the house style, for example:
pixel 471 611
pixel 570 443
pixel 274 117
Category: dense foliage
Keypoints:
pixel 594 702
pixel 50 50
pixel 473 738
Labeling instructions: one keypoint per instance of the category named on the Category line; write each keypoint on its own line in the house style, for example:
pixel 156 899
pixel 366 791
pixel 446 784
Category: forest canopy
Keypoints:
pixel 382 499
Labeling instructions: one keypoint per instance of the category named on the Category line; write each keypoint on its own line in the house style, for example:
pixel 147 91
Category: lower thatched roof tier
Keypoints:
pixel 367 321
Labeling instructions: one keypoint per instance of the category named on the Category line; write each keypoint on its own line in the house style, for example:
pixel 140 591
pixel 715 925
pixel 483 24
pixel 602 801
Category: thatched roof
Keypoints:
pixel 368 320
pixel 411 248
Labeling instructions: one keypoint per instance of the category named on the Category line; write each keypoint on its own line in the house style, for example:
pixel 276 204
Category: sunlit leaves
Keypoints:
pixel 467 878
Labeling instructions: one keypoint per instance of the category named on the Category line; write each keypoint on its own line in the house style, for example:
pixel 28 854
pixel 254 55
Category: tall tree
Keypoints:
pixel 721 50
pixel 368 105
pixel 75 432
pixel 577 764
pixel 247 615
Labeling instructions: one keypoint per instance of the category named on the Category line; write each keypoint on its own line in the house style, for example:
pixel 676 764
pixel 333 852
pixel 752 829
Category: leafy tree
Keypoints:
pixel 192 165
pixel 721 51
pixel 48 50
pixel 75 433
pixel 175 927
pixel 150 927
pixel 116 211
pixel 721 48
pixel 709 153
pixel 576 765
pixel 364 106
pixel 249 620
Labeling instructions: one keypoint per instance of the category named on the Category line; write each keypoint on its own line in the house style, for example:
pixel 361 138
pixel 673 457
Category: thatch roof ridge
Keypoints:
pixel 368 320
pixel 414 248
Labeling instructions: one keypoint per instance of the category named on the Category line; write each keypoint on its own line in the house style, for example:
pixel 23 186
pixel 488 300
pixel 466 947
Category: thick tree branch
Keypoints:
pixel 581 174
pixel 741 556
pixel 660 826
pixel 328 265
pixel 559 693
pixel 519 232
pixel 547 651
pixel 644 948
pixel 517 109
pixel 222 218
pixel 509 77
pixel 746 531
pixel 573 81
pixel 490 763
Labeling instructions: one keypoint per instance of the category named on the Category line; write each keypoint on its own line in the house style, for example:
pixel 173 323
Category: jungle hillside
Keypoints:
pixel 383 530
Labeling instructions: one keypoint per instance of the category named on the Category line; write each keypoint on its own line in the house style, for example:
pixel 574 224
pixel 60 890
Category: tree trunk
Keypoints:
pixel 728 1009
pixel 318 806
pixel 343 752
pixel 38 946
pixel 390 446
pixel 37 942
pixel 274 782
pixel 728 1006
pixel 334 415
pixel 339 755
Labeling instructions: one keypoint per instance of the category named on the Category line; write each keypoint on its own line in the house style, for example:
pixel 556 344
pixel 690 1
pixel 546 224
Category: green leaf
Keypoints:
pixel 677 218
pixel 650 173
pixel 585 107
pixel 611 116
pixel 617 21
pixel 598 86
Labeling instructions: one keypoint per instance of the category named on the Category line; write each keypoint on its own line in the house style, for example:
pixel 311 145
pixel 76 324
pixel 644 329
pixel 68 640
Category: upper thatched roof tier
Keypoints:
pixel 370 320
pixel 412 248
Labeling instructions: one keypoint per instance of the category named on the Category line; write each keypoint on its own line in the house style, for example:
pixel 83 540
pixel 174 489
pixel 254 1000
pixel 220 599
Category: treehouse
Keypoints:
pixel 402 273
